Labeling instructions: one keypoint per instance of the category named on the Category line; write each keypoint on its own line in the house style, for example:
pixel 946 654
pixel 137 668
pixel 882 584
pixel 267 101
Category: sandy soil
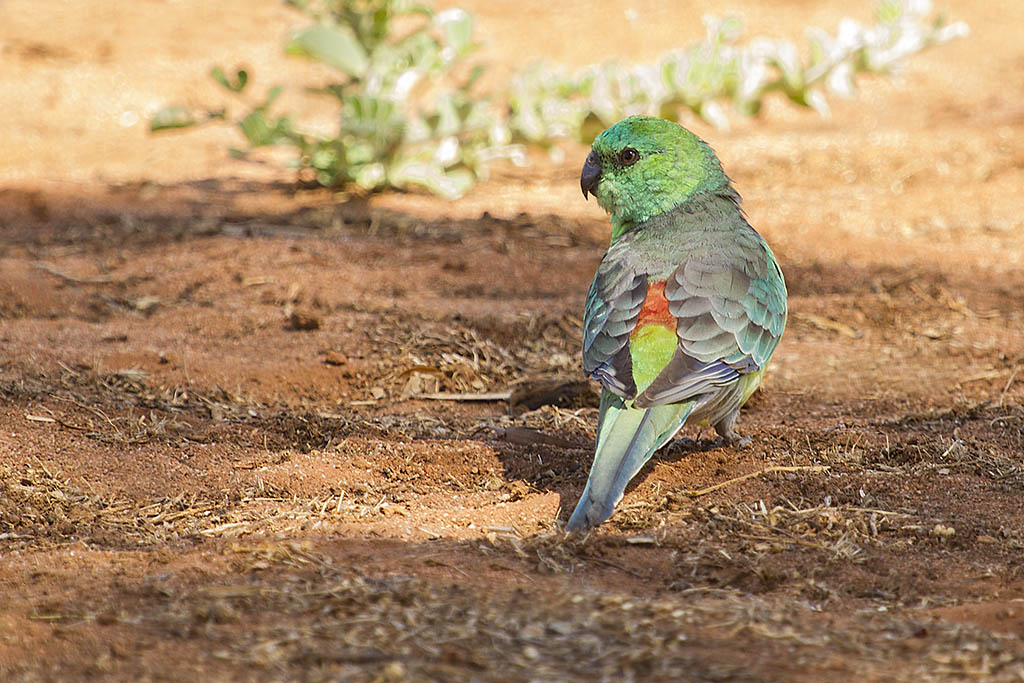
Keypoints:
pixel 219 461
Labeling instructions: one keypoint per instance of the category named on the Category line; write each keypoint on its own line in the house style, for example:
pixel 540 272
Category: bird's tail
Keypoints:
pixel 626 439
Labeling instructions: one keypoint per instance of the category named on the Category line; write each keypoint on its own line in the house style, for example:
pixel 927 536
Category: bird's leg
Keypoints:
pixel 726 429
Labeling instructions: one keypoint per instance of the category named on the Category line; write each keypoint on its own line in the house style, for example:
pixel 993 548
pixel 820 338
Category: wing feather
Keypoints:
pixel 613 307
pixel 731 309
pixel 727 294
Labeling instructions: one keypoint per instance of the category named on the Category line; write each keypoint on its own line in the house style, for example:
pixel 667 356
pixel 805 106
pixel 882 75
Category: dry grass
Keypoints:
pixel 332 622
pixel 426 358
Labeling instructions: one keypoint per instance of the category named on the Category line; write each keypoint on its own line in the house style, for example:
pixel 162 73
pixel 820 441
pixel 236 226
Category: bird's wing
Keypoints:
pixel 613 306
pixel 730 310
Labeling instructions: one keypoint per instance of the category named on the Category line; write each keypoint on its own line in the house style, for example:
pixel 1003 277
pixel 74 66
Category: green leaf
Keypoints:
pixel 255 128
pixel 324 158
pixel 272 95
pixel 172 117
pixel 888 12
pixel 241 78
pixel 474 76
pixel 260 131
pixel 448 121
pixel 457 28
pixel 335 46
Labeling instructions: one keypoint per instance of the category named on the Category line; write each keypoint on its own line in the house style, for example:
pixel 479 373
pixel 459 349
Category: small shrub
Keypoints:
pixel 547 104
pixel 408 113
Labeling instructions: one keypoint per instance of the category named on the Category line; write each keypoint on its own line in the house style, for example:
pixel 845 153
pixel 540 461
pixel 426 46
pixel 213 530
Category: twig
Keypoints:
pixel 776 539
pixel 486 396
pixel 67 369
pixel 768 470
pixel 43 466
pixel 97 412
pixel 1009 383
pixel 102 280
pixel 613 565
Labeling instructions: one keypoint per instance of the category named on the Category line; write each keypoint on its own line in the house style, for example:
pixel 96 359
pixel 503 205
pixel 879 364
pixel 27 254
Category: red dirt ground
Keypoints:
pixel 195 484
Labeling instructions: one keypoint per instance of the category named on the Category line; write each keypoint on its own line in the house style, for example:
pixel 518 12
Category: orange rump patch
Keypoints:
pixel 655 309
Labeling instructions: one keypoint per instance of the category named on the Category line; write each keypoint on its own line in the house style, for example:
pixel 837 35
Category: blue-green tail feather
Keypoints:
pixel 626 440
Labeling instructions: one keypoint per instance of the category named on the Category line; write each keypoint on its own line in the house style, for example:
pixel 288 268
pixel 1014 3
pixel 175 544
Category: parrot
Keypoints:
pixel 685 310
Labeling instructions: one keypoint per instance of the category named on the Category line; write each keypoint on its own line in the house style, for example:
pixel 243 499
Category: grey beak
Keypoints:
pixel 591 175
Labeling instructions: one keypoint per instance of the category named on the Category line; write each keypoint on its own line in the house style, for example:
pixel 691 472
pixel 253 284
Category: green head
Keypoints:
pixel 643 166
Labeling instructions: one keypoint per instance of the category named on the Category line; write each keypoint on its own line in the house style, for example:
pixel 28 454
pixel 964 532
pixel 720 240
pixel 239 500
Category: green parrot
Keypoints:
pixel 686 307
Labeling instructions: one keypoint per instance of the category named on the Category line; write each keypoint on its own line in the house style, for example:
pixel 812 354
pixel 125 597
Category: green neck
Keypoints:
pixel 626 217
pixel 620 229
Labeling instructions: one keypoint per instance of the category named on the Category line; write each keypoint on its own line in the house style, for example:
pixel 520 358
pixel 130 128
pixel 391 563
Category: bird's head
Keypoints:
pixel 643 166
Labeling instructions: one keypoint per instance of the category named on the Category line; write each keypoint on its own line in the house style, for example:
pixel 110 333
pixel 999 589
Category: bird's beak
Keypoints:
pixel 591 175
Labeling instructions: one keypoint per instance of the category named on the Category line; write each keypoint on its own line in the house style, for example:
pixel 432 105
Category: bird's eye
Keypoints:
pixel 629 156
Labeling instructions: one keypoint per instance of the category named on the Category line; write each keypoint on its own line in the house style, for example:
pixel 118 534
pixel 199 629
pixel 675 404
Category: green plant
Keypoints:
pixel 407 115
pixel 547 103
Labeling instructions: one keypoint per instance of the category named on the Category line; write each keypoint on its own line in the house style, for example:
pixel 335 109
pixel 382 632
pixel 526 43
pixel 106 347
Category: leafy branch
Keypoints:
pixel 547 104
pixel 409 113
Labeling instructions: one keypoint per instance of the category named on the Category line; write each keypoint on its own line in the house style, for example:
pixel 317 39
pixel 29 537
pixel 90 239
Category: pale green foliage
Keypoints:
pixel 548 103
pixel 407 113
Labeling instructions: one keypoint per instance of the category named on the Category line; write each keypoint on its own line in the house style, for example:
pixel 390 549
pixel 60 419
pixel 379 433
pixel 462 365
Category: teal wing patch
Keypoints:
pixel 613 306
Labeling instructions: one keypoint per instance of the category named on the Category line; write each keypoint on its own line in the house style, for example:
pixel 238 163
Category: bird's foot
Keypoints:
pixel 733 439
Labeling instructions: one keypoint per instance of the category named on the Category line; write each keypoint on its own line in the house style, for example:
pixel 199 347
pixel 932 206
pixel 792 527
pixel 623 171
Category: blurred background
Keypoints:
pixel 81 80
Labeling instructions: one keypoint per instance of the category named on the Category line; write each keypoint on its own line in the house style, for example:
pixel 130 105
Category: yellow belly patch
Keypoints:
pixel 650 348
